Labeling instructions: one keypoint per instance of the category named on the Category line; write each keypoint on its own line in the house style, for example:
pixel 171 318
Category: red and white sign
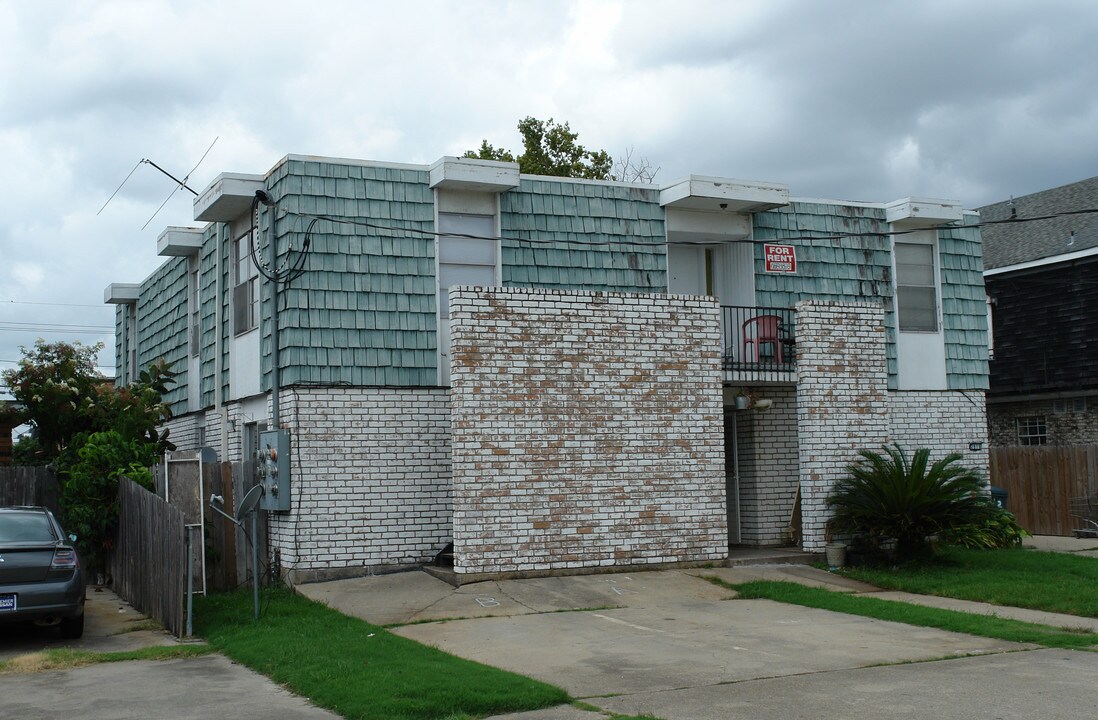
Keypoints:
pixel 780 258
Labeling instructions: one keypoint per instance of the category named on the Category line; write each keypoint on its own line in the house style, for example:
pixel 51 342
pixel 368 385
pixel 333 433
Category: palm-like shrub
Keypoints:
pixel 886 498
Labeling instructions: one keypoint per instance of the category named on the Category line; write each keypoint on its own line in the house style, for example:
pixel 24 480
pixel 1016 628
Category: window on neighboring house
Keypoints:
pixel 465 260
pixel 1032 430
pixel 916 289
pixel 192 302
pixel 246 287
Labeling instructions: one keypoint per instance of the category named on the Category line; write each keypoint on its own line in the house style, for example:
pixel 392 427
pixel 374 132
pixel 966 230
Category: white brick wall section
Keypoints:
pixel 587 430
pixel 769 467
pixel 842 399
pixel 371 483
pixel 946 421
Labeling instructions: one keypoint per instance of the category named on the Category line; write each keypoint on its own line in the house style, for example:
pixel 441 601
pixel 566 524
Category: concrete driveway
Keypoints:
pixel 672 645
pixel 110 625
pixel 190 689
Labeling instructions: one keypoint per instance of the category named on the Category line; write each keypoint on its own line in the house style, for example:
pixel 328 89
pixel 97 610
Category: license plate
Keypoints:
pixel 7 603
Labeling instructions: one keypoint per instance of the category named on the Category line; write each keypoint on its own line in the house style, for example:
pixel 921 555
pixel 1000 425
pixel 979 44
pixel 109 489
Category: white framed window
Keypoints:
pixel 916 287
pixel 1032 430
pixel 245 286
pixel 193 330
pixel 470 256
pixel 131 343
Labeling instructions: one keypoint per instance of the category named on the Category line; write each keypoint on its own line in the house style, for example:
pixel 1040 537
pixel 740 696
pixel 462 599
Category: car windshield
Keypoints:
pixel 25 527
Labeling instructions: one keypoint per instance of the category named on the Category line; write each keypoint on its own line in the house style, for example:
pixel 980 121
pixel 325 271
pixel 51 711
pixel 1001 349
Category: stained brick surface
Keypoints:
pixel 587 430
pixel 842 398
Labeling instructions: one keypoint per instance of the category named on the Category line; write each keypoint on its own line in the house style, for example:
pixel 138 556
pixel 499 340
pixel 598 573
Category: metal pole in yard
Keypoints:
pixel 255 563
pixel 190 579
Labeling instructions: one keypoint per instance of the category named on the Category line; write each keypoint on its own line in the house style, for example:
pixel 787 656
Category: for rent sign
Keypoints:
pixel 780 258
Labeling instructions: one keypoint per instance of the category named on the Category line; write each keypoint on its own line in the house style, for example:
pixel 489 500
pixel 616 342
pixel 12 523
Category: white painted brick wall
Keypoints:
pixel 946 421
pixel 842 399
pixel 587 430
pixel 769 467
pixel 371 482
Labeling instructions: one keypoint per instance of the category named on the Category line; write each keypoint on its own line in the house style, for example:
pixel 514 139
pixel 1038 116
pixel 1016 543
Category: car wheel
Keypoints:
pixel 72 627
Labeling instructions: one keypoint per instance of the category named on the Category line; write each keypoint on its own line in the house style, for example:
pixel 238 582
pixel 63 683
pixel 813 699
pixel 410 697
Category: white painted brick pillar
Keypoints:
pixel 842 399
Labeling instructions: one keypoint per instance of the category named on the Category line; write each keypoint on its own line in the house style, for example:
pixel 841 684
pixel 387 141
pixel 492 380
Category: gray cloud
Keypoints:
pixel 855 100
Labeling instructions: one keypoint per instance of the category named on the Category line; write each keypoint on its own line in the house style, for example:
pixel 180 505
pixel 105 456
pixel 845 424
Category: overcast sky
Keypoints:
pixel 971 101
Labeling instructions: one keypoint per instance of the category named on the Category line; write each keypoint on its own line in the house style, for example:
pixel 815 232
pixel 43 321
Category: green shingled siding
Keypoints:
pixel 119 341
pixel 208 308
pixel 583 237
pixel 844 269
pixel 964 310
pixel 860 268
pixel 162 326
pixel 363 313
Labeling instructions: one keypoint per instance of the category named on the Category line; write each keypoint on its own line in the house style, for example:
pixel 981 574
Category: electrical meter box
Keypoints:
pixel 273 467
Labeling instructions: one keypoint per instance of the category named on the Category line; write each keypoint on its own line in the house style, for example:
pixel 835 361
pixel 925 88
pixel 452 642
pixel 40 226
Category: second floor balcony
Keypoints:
pixel 758 344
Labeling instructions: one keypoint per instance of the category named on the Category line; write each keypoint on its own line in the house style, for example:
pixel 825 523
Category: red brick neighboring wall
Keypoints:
pixel 587 430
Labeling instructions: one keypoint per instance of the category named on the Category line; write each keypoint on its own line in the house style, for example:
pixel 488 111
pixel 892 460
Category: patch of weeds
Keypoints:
pixel 68 658
pixel 895 611
pixel 357 669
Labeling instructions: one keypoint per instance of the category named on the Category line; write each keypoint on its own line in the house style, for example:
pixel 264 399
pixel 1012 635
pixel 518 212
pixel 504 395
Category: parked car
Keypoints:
pixel 41 577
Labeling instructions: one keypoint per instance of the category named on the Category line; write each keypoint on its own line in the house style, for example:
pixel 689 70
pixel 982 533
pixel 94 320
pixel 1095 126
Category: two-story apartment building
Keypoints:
pixel 556 374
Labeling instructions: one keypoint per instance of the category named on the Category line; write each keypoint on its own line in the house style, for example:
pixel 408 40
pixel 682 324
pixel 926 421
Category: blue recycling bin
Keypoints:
pixel 999 496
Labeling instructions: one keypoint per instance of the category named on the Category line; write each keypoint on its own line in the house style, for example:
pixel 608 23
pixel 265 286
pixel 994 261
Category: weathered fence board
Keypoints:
pixel 28 486
pixel 149 558
pixel 1040 482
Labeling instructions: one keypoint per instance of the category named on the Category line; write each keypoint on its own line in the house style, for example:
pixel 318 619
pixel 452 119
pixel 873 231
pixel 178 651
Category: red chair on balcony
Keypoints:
pixel 762 330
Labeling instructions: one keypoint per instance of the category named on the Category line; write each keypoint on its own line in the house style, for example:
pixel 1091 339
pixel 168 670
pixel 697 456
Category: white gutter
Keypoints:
pixel 1052 260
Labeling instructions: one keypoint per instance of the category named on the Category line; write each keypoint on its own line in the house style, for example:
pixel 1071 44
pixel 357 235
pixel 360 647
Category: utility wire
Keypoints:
pixel 101 306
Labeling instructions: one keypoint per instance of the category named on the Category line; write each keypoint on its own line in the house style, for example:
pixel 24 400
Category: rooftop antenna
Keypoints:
pixel 179 184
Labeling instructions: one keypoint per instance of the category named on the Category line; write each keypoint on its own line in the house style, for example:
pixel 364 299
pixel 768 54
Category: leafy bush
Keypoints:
pixel 996 530
pixel 884 498
pixel 89 499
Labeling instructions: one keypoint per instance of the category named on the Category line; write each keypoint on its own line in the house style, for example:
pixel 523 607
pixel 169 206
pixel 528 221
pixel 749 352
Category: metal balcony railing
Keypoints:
pixel 758 340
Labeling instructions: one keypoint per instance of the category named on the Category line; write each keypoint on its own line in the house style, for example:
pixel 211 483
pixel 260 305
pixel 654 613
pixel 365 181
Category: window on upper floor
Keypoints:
pixel 131 343
pixel 193 306
pixel 245 287
pixel 465 260
pixel 1032 430
pixel 916 287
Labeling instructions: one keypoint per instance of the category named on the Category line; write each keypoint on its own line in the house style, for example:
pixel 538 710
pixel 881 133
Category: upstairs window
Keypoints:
pixel 192 302
pixel 916 289
pixel 131 343
pixel 465 260
pixel 246 287
pixel 1032 430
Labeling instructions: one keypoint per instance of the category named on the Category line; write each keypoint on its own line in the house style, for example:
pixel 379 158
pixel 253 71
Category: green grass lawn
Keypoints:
pixel 1056 582
pixel 982 625
pixel 359 670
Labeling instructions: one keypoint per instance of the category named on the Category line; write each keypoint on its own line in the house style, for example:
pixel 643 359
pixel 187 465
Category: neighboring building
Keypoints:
pixel 529 367
pixel 1042 284
pixel 7 427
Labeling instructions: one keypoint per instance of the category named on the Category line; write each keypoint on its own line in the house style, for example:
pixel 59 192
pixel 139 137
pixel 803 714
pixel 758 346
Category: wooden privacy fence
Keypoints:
pixel 1040 482
pixel 149 559
pixel 28 486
